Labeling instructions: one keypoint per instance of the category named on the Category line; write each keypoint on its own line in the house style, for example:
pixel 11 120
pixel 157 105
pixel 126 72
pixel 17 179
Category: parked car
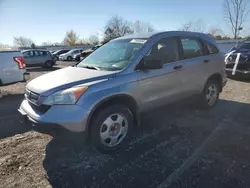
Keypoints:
pixel 12 67
pixel 243 67
pixel 105 93
pixel 57 53
pixel 36 57
pixel 69 55
pixel 85 53
pixel 76 57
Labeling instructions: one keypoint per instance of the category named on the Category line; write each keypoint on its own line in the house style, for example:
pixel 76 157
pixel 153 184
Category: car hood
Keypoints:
pixel 243 51
pixel 65 78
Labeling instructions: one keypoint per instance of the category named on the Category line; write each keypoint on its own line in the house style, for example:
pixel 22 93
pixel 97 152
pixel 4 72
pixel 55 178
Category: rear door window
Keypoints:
pixel 191 48
pixel 37 53
pixel 44 53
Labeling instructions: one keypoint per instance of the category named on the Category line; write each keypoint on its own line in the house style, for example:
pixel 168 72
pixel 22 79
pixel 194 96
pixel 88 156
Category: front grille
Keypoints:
pixel 240 66
pixel 31 96
pixel 41 109
pixel 234 56
pixel 33 102
pixel 243 64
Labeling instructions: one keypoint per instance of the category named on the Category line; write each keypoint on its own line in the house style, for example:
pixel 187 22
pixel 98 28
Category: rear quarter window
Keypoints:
pixel 211 48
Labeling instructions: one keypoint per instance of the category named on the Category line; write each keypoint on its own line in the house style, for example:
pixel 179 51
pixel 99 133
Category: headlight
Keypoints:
pixel 68 96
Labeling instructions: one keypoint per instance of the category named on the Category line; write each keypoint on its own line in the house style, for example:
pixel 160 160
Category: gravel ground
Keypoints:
pixel 179 146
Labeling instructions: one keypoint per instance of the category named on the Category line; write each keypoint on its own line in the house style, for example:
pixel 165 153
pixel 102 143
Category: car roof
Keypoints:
pixel 170 33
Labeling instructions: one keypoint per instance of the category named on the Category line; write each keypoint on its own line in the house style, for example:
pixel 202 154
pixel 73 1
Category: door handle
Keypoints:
pixel 206 61
pixel 177 67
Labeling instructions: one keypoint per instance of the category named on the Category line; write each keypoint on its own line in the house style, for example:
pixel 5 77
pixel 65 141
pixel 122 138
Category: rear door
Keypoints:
pixel 39 57
pixel 196 62
pixel 46 56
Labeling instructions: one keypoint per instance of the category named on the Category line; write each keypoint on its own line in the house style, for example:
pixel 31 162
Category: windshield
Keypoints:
pixel 56 51
pixel 115 55
pixel 72 51
pixel 244 45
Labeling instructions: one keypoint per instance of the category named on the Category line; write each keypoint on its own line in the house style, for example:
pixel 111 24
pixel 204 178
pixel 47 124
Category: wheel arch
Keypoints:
pixel 123 99
pixel 218 77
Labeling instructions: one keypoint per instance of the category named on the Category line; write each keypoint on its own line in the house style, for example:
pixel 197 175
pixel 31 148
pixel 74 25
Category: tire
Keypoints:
pixel 102 135
pixel 210 94
pixel 48 64
pixel 69 58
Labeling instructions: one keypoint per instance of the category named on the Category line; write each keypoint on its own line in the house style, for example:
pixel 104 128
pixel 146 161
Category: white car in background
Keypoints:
pixel 70 54
pixel 12 67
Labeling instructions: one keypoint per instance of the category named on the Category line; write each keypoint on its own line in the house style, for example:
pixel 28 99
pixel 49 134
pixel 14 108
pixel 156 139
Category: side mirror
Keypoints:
pixel 152 64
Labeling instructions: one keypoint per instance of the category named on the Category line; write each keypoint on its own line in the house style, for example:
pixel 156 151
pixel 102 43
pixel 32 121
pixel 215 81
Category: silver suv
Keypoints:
pixel 106 92
pixel 36 57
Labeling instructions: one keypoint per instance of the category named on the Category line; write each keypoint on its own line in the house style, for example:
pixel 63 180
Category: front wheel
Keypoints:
pixel 210 93
pixel 111 128
pixel 69 58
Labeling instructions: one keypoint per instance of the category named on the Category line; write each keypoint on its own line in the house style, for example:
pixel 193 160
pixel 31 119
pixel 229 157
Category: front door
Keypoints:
pixel 32 58
pixel 161 86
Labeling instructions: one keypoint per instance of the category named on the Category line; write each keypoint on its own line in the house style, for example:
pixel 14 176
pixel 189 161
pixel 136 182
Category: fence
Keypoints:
pixel 224 45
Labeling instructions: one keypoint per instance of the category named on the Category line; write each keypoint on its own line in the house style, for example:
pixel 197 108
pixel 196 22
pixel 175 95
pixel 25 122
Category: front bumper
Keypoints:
pixel 71 117
pixel 76 58
pixel 62 58
pixel 242 73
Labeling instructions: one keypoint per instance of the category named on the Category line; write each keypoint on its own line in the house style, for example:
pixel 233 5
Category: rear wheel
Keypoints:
pixel 210 93
pixel 48 64
pixel 111 128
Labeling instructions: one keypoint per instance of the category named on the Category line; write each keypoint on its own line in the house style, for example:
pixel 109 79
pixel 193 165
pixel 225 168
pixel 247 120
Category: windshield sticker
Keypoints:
pixel 140 41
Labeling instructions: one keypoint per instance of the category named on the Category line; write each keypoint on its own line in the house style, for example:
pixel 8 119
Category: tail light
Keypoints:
pixel 20 61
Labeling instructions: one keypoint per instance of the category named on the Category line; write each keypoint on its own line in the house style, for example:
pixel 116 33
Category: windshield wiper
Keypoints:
pixel 91 67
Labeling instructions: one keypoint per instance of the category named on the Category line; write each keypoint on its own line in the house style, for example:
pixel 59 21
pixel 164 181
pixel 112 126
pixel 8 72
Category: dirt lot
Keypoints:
pixel 179 146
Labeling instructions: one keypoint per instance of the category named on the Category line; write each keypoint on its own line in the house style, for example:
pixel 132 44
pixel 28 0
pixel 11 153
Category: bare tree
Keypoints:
pixel 140 27
pixel 93 39
pixel 187 26
pixel 116 27
pixel 71 38
pixel 236 12
pixel 213 31
pixel 22 41
pixel 196 26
